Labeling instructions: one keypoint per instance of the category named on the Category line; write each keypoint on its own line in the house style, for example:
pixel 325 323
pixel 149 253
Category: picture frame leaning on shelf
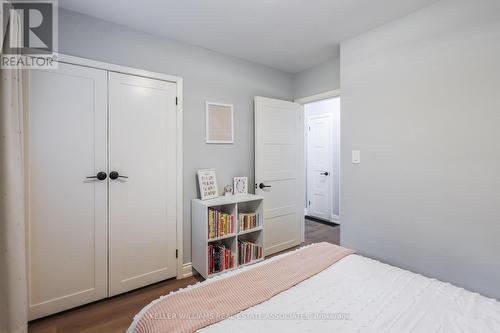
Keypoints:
pixel 240 185
pixel 207 181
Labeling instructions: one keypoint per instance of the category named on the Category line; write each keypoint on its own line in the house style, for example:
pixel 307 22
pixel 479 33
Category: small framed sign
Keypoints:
pixel 208 184
pixel 240 185
pixel 219 123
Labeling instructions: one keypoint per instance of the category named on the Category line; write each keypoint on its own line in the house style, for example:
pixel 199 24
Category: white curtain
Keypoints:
pixel 13 280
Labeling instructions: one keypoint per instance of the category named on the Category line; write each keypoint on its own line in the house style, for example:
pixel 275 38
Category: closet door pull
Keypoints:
pixel 115 175
pixel 100 176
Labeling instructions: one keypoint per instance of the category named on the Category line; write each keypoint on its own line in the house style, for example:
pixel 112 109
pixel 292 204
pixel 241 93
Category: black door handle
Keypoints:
pixel 115 175
pixel 262 186
pixel 321 173
pixel 100 176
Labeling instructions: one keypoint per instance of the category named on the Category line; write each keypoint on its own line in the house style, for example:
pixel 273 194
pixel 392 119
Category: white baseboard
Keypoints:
pixel 187 270
pixel 333 219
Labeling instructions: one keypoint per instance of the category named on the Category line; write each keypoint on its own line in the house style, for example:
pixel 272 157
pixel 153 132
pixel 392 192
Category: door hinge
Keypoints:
pixel 309 127
pixel 176 100
pixel 176 253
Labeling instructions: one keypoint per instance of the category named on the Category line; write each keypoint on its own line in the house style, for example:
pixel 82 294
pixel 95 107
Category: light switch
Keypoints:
pixel 356 157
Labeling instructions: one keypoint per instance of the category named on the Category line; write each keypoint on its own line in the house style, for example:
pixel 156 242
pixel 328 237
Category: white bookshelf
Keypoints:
pixel 248 203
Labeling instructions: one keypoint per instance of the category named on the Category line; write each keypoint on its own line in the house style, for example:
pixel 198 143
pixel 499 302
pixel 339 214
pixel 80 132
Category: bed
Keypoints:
pixel 354 294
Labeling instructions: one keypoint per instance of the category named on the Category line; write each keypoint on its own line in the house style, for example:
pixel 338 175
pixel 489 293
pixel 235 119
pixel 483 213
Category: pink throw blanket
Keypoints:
pixel 195 308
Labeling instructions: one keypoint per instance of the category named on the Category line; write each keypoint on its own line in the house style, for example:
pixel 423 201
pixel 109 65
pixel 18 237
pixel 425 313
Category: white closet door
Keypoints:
pixel 142 207
pixel 67 212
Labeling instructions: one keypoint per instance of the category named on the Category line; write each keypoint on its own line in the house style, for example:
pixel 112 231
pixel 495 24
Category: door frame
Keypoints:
pixel 318 97
pixel 72 60
pixel 309 99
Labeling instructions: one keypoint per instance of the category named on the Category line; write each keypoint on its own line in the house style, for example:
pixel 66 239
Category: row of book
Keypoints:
pixel 248 221
pixel 219 224
pixel 248 252
pixel 220 258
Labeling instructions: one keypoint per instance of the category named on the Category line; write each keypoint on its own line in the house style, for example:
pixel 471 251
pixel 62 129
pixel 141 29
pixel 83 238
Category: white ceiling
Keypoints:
pixel 291 35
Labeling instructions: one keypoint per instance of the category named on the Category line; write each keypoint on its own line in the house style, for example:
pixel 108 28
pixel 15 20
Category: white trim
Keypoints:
pixel 302 179
pixel 207 123
pixel 318 97
pixel 63 58
pixel 180 180
pixel 187 270
pixel 332 219
pixel 117 68
pixel 304 174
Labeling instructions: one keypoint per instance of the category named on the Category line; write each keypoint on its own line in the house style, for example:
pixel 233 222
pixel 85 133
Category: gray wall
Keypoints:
pixel 317 79
pixel 421 100
pixel 207 76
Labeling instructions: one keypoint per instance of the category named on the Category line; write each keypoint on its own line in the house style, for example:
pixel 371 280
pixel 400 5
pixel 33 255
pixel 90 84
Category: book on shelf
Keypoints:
pixel 219 224
pixel 248 221
pixel 248 252
pixel 220 258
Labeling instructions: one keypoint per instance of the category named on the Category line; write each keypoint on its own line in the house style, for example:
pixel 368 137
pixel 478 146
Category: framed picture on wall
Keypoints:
pixel 208 184
pixel 219 123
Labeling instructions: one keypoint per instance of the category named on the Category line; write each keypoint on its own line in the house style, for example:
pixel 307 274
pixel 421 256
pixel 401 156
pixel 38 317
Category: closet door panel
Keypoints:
pixel 142 207
pixel 67 228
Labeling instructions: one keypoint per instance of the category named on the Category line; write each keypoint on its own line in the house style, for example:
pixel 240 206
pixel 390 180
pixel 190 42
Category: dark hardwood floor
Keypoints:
pixel 319 232
pixel 114 315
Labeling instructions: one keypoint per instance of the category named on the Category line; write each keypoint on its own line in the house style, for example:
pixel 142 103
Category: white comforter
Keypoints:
pixel 358 294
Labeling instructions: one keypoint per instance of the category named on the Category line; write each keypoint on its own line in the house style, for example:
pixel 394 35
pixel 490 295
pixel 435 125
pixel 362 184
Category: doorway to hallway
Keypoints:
pixel 322 147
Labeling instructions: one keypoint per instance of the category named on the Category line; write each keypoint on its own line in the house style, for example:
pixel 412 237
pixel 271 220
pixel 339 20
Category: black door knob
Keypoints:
pixel 262 186
pixel 100 176
pixel 324 173
pixel 115 175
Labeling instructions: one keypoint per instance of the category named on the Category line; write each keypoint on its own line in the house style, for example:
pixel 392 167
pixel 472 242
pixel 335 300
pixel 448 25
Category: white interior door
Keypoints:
pixel 319 166
pixel 279 171
pixel 142 207
pixel 67 227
